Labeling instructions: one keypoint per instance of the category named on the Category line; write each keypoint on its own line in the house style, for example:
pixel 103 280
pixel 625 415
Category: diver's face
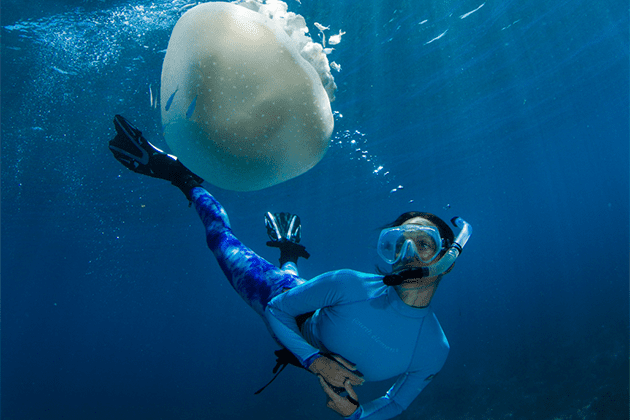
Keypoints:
pixel 425 246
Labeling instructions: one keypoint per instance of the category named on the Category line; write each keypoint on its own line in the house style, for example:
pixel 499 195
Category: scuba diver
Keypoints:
pixel 344 326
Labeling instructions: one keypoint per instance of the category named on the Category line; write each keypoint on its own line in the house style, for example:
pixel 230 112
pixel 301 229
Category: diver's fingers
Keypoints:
pixel 334 372
pixel 350 370
pixel 353 378
pixel 351 392
pixel 328 390
pixel 348 365
pixel 342 405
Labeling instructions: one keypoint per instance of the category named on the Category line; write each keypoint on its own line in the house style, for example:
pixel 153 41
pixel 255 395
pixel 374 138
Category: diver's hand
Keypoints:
pixel 342 405
pixel 336 372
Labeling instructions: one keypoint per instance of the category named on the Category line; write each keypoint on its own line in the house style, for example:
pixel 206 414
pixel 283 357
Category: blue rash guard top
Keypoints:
pixel 361 319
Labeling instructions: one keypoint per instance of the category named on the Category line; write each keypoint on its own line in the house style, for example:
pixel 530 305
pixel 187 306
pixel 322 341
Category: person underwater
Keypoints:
pixel 344 326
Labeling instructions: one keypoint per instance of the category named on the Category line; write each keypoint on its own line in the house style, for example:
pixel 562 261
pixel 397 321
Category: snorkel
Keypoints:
pixel 441 265
pixel 454 250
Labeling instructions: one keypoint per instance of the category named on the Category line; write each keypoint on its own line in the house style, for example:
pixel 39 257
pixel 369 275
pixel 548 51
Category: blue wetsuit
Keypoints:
pixel 255 279
pixel 367 323
pixel 356 316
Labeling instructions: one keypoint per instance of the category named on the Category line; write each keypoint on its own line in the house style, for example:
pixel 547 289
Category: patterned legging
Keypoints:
pixel 255 279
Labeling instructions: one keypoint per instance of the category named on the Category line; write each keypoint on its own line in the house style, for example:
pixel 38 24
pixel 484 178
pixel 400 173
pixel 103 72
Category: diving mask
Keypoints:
pixel 408 241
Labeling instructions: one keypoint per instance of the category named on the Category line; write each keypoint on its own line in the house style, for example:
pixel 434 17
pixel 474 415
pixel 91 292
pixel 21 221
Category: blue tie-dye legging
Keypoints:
pixel 255 279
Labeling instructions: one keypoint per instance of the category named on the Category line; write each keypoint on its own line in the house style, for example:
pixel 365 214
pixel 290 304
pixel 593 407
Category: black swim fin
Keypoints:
pixel 285 232
pixel 136 153
pixel 283 227
pixel 283 358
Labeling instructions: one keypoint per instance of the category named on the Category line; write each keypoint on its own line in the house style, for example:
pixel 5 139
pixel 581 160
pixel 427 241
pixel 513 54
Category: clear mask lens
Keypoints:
pixel 408 242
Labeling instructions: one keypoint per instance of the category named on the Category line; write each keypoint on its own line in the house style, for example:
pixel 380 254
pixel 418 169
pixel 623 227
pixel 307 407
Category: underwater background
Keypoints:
pixel 511 114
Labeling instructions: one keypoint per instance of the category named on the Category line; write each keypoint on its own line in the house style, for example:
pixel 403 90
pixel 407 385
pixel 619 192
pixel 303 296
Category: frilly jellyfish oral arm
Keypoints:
pixel 335 39
pixel 322 28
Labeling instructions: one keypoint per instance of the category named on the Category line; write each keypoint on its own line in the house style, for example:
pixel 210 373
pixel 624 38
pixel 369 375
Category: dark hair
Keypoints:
pixel 445 233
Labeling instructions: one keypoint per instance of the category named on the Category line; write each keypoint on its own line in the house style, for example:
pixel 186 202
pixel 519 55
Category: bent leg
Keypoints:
pixel 291 268
pixel 255 279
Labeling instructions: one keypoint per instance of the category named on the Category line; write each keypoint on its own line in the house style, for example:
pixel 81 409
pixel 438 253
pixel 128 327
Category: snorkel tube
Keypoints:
pixel 453 252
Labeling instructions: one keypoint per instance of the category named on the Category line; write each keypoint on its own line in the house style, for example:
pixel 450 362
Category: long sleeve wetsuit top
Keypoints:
pixel 359 318
pixel 356 316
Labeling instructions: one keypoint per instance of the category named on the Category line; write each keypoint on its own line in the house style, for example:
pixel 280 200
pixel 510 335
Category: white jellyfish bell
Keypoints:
pixel 241 106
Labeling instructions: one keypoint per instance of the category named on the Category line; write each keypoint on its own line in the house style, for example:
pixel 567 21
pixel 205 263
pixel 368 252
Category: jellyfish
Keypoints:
pixel 245 94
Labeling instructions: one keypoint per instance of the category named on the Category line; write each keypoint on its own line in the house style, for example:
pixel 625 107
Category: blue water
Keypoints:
pixel 516 118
